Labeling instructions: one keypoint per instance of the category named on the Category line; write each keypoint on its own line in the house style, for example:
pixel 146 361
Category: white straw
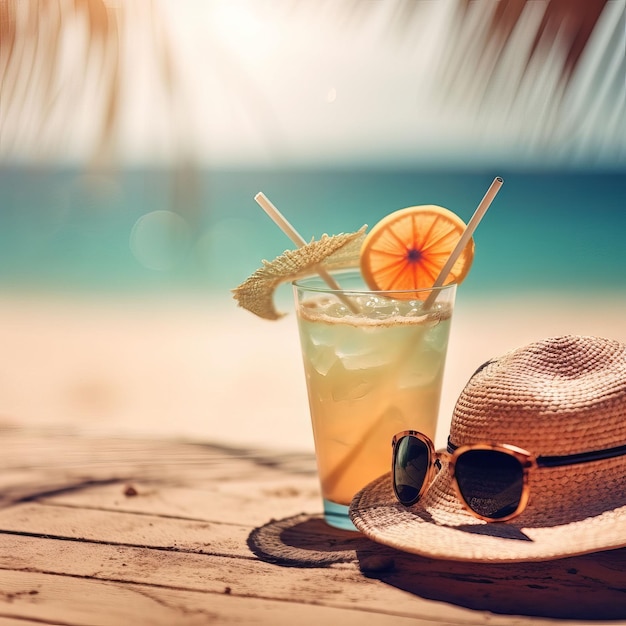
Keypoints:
pixel 465 237
pixel 281 221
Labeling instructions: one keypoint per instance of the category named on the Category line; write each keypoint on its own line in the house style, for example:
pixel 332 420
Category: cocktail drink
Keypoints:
pixel 374 366
pixel 374 339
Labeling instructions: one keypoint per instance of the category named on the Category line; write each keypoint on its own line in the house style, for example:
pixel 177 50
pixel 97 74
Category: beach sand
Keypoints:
pixel 188 368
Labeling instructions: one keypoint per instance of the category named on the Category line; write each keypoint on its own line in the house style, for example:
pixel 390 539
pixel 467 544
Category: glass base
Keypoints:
pixel 336 515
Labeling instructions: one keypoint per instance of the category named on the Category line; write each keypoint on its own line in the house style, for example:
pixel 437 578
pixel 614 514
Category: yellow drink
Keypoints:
pixel 370 374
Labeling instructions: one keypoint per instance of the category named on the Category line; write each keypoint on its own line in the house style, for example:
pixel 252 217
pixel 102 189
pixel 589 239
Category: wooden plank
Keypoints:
pixel 372 577
pixel 342 587
pixel 242 502
pixel 59 448
pixel 66 466
pixel 339 587
pixel 252 502
pixel 52 599
pixel 124 529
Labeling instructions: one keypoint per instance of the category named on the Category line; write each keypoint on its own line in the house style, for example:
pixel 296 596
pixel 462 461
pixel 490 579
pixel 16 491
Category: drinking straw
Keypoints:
pixel 281 221
pixel 465 237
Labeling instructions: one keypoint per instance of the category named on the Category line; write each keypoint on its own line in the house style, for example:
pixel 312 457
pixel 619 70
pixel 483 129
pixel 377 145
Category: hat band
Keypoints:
pixel 568 459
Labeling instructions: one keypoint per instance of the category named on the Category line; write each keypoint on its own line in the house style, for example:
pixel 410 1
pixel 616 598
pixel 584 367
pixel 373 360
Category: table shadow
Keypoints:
pixel 591 586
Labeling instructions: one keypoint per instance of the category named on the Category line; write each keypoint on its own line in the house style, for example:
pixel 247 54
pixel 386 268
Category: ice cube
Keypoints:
pixel 337 309
pixel 320 355
pixel 421 371
pixel 345 390
pixel 360 354
pixel 346 386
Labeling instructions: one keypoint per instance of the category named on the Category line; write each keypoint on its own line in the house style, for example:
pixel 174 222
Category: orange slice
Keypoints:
pixel 407 249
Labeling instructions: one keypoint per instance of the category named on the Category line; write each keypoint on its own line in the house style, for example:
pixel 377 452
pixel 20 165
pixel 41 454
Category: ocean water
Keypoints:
pixel 150 230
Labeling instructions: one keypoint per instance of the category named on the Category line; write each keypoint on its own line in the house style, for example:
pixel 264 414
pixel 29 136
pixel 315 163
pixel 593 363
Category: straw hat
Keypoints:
pixel 560 396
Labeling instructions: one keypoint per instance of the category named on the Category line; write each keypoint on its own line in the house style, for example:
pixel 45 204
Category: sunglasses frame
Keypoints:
pixel 526 460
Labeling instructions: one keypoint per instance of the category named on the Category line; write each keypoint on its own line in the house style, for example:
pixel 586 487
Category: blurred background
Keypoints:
pixel 134 135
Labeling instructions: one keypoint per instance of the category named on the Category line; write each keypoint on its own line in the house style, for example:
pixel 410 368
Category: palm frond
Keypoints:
pixel 40 94
pixel 517 60
pixel 63 64
pixel 505 60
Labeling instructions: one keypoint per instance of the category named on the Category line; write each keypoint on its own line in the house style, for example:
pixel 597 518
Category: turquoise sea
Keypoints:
pixel 147 230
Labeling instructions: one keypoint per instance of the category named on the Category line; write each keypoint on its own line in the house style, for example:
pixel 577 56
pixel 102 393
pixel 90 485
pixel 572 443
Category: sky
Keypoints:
pixel 275 82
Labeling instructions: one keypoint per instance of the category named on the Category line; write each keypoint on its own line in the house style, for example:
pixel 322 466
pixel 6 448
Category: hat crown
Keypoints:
pixel 561 395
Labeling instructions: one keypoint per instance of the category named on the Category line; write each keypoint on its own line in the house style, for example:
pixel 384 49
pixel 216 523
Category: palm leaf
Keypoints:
pixel 507 57
pixel 41 96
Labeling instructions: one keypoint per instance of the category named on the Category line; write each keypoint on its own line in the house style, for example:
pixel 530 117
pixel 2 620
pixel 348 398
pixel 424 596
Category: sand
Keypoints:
pixel 191 368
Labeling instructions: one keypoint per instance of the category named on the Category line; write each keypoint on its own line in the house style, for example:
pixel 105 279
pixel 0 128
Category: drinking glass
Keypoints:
pixel 374 365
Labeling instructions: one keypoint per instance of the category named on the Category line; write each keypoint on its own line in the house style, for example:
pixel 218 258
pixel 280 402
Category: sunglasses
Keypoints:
pixel 491 480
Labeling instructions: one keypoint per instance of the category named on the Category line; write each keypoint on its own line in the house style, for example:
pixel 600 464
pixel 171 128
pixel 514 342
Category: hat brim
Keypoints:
pixel 462 537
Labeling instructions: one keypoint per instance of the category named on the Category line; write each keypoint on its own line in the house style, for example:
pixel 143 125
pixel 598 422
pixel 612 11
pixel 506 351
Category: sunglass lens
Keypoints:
pixel 490 481
pixel 410 468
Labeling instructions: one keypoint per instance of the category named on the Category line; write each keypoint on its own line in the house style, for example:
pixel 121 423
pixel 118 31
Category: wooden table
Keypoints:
pixel 126 531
